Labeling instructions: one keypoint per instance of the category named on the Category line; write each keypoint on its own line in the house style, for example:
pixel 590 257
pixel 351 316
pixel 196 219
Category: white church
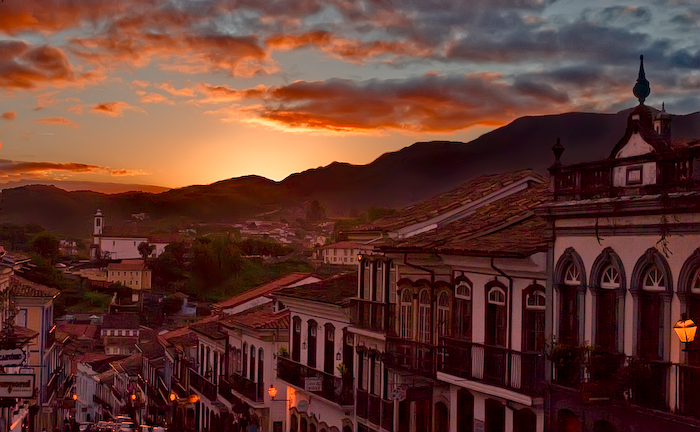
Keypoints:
pixel 118 247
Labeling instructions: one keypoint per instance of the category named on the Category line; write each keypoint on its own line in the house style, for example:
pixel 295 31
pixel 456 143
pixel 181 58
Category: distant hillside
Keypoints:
pixel 393 180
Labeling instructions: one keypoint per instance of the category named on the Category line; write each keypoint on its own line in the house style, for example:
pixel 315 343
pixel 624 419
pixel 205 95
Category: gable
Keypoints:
pixel 635 146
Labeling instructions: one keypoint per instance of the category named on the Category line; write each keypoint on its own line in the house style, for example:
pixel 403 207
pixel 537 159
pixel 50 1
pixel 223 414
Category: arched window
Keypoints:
pixel 463 310
pixel 313 343
pixel 443 309
pixel 571 280
pixel 608 289
pixel 261 367
pixel 406 314
pixel 654 279
pixel 329 349
pixel 653 292
pixel 496 316
pixel 424 316
pixel 534 318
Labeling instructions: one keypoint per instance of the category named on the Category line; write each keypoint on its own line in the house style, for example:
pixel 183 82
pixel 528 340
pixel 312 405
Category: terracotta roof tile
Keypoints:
pixel 260 317
pixel 337 290
pixel 132 264
pixel 21 287
pixel 262 290
pixel 448 201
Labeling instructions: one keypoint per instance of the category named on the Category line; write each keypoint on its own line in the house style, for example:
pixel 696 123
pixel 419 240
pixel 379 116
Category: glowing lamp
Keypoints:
pixel 272 391
pixel 75 397
pixel 173 397
pixel 193 398
pixel 133 396
pixel 685 329
pixel 359 257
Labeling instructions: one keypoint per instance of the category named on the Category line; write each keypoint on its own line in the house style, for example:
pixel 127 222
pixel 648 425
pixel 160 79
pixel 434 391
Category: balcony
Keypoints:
pixel 202 385
pixel 335 389
pixel 373 316
pixel 688 396
pixel 50 338
pixel 410 356
pixel 501 367
pixel 245 387
pixel 51 388
pixel 375 410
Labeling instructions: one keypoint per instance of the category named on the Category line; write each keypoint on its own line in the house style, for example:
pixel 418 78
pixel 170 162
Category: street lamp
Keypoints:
pixel 685 328
pixel 272 391
pixel 75 397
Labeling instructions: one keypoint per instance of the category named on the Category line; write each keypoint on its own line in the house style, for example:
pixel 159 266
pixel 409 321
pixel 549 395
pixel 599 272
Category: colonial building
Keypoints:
pixel 449 317
pixel 623 269
pixel 318 366
pixel 120 333
pixel 344 252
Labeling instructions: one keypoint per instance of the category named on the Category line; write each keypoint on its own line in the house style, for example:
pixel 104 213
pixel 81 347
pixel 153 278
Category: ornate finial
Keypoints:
pixel 557 149
pixel 641 89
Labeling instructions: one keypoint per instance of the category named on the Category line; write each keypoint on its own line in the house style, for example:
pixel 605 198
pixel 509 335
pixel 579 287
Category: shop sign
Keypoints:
pixel 16 386
pixel 12 357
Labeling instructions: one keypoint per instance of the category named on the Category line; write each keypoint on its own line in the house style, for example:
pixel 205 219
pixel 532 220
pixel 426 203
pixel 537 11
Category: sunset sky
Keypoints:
pixel 174 93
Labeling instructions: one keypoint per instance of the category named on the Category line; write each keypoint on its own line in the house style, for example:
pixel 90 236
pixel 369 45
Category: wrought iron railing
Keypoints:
pixel 335 389
pixel 203 385
pixel 514 370
pixel 50 338
pixel 411 356
pixel 242 385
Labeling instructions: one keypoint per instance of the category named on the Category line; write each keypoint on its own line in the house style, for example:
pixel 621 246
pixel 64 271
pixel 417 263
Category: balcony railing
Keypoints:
pixel 513 370
pixel 202 385
pixel 335 389
pixel 688 395
pixel 410 356
pixel 593 180
pixel 374 409
pixel 374 316
pixel 50 338
pixel 249 389
pixel 51 388
pixel 177 387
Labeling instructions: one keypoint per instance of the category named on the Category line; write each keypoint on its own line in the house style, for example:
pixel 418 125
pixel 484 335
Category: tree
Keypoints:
pixel 46 245
pixel 315 212
pixel 145 250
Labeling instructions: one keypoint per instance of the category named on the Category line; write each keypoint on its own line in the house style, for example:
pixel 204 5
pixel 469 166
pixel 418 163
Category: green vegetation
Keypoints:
pixel 215 267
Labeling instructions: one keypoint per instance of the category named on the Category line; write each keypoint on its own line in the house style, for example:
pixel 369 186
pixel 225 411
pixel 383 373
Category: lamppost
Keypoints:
pixel 685 328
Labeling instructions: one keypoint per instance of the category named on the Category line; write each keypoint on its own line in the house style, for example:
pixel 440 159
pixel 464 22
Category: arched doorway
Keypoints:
pixel 524 420
pixel 442 418
pixel 567 421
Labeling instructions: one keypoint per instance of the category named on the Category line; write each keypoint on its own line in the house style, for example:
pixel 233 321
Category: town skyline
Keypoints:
pixel 178 93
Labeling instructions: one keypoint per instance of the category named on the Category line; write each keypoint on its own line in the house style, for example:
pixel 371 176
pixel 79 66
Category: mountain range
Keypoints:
pixel 394 179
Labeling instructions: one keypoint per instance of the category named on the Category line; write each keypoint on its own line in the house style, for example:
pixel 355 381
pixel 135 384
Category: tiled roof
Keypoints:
pixel 448 201
pixel 23 288
pixel 132 264
pixel 485 231
pixel 260 317
pixel 121 321
pixel 184 336
pixel 262 290
pixel 337 290
pixel 80 331
pixel 151 349
pixel 209 329
pixel 131 365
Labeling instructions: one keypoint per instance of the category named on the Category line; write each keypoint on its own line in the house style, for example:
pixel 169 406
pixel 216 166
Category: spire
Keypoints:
pixel 641 89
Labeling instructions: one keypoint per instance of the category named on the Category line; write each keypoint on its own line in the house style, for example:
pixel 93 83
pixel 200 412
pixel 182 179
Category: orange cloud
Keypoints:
pixel 9 115
pixel 15 170
pixel 155 98
pixel 23 66
pixel 114 109
pixel 140 83
pixel 77 109
pixel 168 87
pixel 62 121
